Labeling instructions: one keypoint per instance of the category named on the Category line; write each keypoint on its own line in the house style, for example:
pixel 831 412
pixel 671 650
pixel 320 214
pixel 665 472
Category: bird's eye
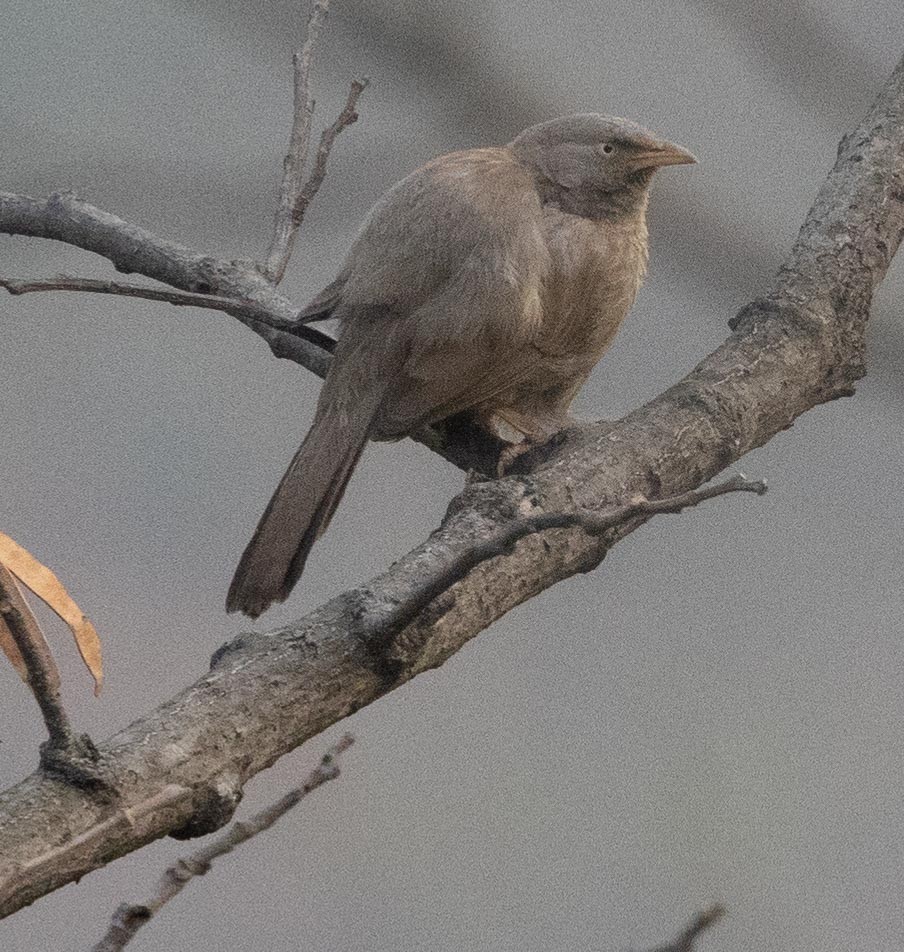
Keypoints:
pixel 608 148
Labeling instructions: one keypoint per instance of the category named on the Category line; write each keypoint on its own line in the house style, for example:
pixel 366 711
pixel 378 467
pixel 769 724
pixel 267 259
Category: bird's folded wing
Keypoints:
pixel 426 228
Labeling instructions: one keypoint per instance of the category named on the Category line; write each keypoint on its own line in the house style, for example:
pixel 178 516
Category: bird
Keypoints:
pixel 488 281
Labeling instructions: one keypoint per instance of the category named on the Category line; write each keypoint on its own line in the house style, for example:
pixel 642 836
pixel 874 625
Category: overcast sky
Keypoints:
pixel 715 714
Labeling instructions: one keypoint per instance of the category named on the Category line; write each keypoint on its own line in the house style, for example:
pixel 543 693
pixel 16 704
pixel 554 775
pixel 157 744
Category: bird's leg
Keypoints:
pixel 473 476
pixel 535 446
pixel 524 435
pixel 514 437
pixel 510 453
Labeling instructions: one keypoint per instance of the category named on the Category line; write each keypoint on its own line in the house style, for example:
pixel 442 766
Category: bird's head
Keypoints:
pixel 596 154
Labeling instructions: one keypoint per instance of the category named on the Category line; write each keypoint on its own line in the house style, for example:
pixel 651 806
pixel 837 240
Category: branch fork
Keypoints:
pixel 295 194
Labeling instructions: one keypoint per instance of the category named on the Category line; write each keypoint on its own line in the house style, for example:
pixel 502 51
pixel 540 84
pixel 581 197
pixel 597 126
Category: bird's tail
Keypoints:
pixel 301 509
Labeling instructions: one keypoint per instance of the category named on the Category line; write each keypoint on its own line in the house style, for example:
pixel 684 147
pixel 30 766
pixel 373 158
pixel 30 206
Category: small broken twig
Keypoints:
pixel 128 919
pixel 295 196
pixel 593 523
pixel 685 941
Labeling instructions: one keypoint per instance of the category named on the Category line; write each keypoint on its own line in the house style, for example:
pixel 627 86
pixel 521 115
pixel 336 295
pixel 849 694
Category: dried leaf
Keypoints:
pixel 37 577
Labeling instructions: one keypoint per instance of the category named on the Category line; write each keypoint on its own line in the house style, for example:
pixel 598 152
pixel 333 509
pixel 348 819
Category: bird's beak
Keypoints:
pixel 665 153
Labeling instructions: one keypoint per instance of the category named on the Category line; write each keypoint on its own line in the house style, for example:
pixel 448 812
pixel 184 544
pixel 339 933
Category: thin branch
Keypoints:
pixel 593 523
pixel 304 345
pixel 128 919
pixel 347 117
pixel 294 197
pixel 63 217
pixel 247 311
pixel 284 230
pixel 685 941
pixel 42 672
pixel 286 337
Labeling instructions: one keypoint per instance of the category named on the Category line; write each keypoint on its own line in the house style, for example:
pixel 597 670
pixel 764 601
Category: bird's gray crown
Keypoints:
pixel 584 128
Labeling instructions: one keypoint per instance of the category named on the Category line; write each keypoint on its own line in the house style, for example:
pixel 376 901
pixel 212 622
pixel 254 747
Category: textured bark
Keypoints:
pixel 180 769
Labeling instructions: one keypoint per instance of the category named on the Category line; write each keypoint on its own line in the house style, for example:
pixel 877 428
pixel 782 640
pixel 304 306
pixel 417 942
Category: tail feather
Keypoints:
pixel 320 521
pixel 300 511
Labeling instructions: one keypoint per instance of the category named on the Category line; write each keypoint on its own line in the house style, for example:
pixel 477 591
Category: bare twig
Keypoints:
pixel 128 919
pixel 286 337
pixel 243 309
pixel 284 229
pixel 448 574
pixel 685 941
pixel 294 197
pixel 43 674
pixel 347 117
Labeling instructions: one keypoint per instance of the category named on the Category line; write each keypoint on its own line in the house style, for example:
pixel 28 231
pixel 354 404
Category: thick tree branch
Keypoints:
pixel 798 346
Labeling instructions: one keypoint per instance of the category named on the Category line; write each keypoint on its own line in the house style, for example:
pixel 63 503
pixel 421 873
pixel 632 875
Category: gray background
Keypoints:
pixel 714 715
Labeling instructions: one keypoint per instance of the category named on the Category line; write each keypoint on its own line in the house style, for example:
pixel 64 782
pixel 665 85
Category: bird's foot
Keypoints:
pixel 511 453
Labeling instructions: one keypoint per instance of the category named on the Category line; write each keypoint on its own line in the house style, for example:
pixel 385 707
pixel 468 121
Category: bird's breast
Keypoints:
pixel 595 270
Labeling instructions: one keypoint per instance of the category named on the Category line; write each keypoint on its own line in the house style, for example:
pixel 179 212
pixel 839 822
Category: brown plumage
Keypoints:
pixel 491 281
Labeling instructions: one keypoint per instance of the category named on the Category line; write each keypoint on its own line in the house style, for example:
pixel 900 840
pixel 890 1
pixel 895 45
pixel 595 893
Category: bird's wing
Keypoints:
pixel 422 231
pixel 450 263
pixel 429 226
pixel 469 342
pixel 462 385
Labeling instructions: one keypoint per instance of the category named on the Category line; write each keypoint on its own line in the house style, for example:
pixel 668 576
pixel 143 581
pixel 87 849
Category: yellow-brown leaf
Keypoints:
pixel 37 577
